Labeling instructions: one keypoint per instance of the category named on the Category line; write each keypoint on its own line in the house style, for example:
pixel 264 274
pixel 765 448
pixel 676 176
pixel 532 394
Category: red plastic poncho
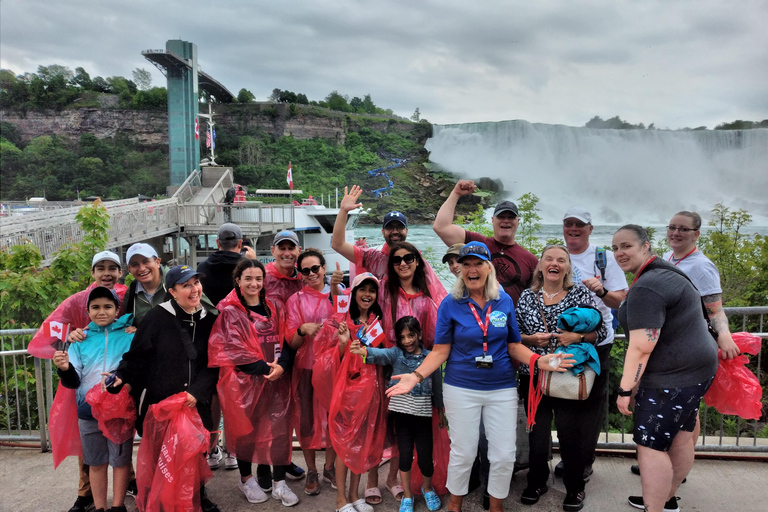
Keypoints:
pixel 170 465
pixel 327 360
pixel 735 389
pixel 310 417
pixel 278 286
pixel 116 413
pixel 62 423
pixel 417 305
pixel 358 414
pixel 257 412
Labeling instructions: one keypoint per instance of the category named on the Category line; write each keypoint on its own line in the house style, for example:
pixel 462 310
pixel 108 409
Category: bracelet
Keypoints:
pixel 418 376
pixel 298 331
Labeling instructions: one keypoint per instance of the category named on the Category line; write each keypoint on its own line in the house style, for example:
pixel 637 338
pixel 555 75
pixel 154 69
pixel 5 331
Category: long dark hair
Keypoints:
pixel 393 280
pixel 354 311
pixel 243 265
pixel 413 325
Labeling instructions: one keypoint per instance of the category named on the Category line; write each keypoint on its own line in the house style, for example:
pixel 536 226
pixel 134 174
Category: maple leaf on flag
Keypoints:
pixel 375 333
pixel 342 303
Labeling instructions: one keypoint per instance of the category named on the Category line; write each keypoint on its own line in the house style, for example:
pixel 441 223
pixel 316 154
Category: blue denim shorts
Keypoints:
pixel 660 413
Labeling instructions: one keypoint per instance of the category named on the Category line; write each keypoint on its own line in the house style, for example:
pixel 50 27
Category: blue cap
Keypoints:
pixel 394 216
pixel 179 274
pixel 476 249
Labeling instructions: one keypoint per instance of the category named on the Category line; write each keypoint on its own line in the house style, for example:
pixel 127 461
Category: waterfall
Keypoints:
pixel 639 176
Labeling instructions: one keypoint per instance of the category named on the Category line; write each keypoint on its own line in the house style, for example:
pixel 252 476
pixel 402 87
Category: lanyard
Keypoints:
pixel 483 327
pixel 637 276
pixel 681 259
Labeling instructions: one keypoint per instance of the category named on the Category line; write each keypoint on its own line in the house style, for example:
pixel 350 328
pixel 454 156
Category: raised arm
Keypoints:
pixel 449 232
pixel 714 305
pixel 338 241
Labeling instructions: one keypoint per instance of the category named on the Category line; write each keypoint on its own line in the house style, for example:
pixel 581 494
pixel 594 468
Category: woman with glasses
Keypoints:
pixel 307 309
pixel 407 292
pixel 477 335
pixel 670 362
pixel 551 293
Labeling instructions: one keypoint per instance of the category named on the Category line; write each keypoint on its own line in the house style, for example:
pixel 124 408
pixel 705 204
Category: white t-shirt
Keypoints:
pixel 702 272
pixel 584 267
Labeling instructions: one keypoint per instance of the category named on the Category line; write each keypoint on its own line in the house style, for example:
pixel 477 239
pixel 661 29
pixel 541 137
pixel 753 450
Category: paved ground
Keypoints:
pixel 29 483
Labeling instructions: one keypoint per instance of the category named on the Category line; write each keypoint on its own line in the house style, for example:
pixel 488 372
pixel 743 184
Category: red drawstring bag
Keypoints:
pixel 116 413
pixel 62 425
pixel 735 389
pixel 357 419
pixel 170 465
pixel 441 451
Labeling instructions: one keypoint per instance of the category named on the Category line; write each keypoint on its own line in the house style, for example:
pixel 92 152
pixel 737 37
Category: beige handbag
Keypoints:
pixel 565 384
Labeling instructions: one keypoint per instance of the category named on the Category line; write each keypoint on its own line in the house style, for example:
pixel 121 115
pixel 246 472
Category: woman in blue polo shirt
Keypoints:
pixel 477 335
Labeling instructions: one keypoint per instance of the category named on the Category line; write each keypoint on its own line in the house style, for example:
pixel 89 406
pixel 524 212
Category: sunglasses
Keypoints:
pixel 408 259
pixel 311 270
pixel 571 223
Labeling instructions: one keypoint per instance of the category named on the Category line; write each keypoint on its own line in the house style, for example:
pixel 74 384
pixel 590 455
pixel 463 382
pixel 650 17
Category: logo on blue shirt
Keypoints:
pixel 498 319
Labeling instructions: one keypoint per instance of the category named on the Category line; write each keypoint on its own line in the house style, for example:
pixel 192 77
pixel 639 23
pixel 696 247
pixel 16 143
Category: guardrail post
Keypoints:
pixel 41 409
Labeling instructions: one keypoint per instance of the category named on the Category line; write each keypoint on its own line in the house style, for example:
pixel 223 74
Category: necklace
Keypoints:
pixel 551 296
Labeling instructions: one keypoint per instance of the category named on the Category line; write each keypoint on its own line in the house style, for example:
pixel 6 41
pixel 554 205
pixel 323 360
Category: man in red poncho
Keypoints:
pixel 70 315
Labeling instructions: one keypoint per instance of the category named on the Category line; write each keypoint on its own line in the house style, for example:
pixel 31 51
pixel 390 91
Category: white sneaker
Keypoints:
pixel 281 491
pixel 252 491
pixel 230 461
pixel 213 458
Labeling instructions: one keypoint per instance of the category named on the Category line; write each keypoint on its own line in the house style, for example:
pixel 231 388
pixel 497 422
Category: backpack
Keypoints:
pixel 601 261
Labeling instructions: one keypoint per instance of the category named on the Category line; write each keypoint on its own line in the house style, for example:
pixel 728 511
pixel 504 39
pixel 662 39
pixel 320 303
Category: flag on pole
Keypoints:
pixel 197 129
pixel 341 302
pixel 208 137
pixel 289 178
pixel 213 137
pixel 375 334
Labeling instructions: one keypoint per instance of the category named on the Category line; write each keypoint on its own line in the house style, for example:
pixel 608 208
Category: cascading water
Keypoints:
pixel 641 176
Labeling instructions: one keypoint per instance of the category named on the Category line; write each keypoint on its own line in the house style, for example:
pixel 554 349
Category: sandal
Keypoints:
pixel 361 506
pixel 397 491
pixel 531 496
pixel 373 496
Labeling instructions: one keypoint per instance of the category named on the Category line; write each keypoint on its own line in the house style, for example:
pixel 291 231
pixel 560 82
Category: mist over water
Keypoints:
pixel 639 176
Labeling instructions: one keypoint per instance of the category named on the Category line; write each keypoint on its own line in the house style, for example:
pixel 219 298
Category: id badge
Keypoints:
pixel 484 361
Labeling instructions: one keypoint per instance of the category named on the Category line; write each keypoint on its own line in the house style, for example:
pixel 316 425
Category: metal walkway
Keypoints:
pixel 194 209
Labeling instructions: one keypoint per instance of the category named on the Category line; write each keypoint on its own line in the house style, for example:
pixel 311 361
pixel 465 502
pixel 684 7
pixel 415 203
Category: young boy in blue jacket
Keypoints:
pixel 81 368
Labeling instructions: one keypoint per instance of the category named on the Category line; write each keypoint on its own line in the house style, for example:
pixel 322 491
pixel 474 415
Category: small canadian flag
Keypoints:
pixel 375 333
pixel 289 177
pixel 342 303
pixel 58 330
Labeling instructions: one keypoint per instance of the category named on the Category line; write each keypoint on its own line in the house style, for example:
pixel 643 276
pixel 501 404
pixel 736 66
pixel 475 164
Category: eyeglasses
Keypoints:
pixel 672 229
pixel 314 269
pixel 571 223
pixel 408 259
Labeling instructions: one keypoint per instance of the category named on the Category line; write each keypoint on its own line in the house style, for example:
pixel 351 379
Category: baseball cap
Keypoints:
pixel 576 212
pixel 105 255
pixel 394 216
pixel 286 235
pixel 506 206
pixel 477 249
pixel 452 251
pixel 365 276
pixel 229 231
pixel 103 292
pixel 179 274
pixel 145 250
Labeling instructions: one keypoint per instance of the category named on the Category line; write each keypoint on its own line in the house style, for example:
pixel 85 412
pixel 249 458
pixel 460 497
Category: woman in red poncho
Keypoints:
pixel 307 309
pixel 246 343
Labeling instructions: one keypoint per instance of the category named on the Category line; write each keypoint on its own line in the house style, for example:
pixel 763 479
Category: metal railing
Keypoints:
pixel 26 396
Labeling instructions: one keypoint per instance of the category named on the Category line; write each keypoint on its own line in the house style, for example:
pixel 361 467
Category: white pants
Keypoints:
pixel 498 409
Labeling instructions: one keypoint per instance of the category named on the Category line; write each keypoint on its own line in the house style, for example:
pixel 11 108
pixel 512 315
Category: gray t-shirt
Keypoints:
pixel 685 354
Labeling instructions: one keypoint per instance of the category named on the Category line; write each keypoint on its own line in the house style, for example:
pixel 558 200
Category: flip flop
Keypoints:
pixel 373 496
pixel 397 491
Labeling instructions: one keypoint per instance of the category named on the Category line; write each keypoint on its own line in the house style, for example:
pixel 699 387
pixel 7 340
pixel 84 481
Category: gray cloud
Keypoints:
pixel 673 63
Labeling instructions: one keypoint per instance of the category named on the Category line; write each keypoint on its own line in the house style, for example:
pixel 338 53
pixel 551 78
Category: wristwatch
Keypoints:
pixel 605 292
pixel 298 331
pixel 582 339
pixel 624 392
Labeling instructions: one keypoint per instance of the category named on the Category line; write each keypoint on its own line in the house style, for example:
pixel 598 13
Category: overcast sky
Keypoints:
pixel 673 63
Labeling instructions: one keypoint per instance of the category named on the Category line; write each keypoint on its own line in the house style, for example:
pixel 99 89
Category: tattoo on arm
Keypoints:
pixel 637 375
pixel 652 334
pixel 717 318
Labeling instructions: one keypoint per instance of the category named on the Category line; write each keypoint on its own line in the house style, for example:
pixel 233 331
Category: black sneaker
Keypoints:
pixel 264 477
pixel 560 469
pixel 133 489
pixel 82 504
pixel 574 501
pixel 669 506
pixel 119 508
pixel 208 506
pixel 294 472
pixel 531 496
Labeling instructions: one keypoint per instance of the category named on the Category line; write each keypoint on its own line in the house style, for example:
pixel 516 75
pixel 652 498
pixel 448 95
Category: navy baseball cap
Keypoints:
pixel 179 274
pixel 103 292
pixel 392 217
pixel 476 249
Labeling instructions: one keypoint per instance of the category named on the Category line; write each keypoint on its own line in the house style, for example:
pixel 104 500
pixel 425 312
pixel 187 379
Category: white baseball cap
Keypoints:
pixel 145 250
pixel 105 255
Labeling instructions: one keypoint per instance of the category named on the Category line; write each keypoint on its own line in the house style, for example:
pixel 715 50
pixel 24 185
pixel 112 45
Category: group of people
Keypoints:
pixel 274 351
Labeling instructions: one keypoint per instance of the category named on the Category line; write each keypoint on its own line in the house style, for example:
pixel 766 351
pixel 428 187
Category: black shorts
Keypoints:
pixel 660 413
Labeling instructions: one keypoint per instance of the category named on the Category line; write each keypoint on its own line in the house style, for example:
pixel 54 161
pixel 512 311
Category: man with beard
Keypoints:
pixel 514 265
